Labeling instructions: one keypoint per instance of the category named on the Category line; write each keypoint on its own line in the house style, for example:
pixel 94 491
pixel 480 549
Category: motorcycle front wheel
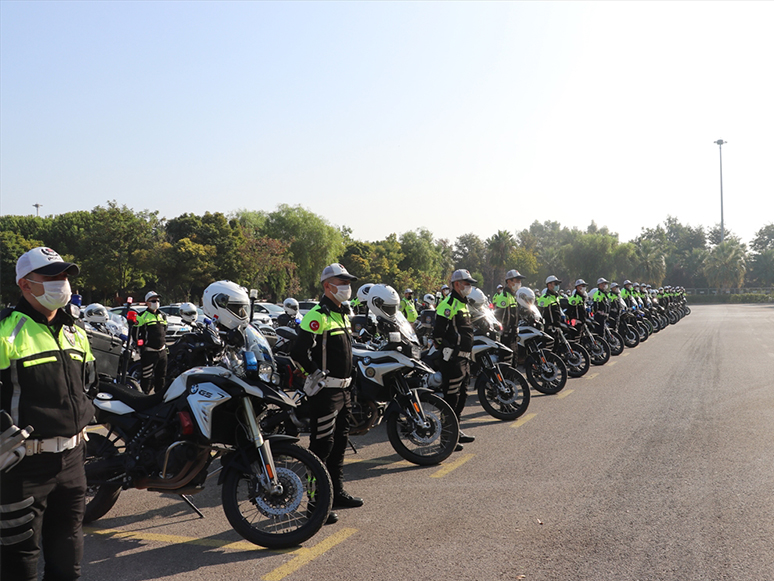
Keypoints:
pixel 547 377
pixel 429 444
pixel 577 360
pixel 101 496
pixel 288 517
pixel 507 401
pixel 598 349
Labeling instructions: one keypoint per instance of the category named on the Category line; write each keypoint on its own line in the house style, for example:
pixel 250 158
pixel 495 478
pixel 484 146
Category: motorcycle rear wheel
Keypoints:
pixel 286 519
pixel 631 337
pixel 549 378
pixel 504 404
pixel 102 496
pixel 425 446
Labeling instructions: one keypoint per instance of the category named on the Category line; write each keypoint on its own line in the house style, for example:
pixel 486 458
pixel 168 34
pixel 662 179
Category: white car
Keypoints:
pixel 270 309
pixel 175 326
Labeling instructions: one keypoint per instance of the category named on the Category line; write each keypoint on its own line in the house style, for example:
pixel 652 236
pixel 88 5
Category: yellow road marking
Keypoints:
pixel 452 466
pixel 590 375
pixel 522 420
pixel 306 555
pixel 565 393
pixel 625 354
pixel 303 554
pixel 611 363
pixel 378 461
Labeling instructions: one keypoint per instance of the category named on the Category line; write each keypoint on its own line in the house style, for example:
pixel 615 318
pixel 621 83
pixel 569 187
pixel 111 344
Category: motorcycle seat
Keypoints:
pixel 137 400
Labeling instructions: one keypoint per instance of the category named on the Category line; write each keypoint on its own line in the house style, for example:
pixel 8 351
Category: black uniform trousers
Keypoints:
pixel 455 375
pixel 43 502
pixel 154 370
pixel 330 409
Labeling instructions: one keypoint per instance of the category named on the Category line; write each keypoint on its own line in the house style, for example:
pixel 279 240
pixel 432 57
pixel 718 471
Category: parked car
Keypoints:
pixel 270 309
pixel 305 306
pixel 175 325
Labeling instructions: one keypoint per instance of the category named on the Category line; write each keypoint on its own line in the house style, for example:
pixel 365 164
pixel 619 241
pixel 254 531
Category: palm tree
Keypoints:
pixel 650 265
pixel 725 265
pixel 500 246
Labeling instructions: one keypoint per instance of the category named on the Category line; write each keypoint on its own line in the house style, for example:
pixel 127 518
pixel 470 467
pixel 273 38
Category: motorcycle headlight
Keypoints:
pixel 265 372
pixel 416 351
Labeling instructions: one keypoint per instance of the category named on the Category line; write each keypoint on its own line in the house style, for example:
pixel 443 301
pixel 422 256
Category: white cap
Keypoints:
pixel 513 274
pixel 462 274
pixel 150 295
pixel 579 282
pixel 43 261
pixel 335 270
pixel 552 278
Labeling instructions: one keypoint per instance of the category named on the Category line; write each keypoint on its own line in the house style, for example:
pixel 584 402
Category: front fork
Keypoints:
pixel 268 469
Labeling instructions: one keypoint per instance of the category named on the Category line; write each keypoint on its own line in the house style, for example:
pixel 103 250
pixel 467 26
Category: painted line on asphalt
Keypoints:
pixel 565 393
pixel 303 554
pixel 378 461
pixel 625 354
pixel 522 420
pixel 452 466
pixel 611 363
pixel 306 555
pixel 590 375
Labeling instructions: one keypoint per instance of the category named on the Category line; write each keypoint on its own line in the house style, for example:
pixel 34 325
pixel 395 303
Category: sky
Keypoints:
pixel 392 116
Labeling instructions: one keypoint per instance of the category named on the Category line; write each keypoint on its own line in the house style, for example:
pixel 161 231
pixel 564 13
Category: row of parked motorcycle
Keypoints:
pixel 234 407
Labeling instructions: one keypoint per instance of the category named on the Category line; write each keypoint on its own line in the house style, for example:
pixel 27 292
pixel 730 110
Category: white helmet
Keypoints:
pixel 188 312
pixel 95 313
pixel 383 300
pixel 477 298
pixel 525 297
pixel 362 292
pixel 227 303
pixel 429 299
pixel 291 306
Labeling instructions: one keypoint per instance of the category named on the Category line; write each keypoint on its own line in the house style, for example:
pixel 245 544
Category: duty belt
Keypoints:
pixel 337 382
pixel 54 445
pixel 464 354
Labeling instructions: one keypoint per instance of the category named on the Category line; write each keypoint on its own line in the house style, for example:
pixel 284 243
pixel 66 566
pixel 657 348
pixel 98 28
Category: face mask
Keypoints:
pixel 342 293
pixel 515 285
pixel 445 292
pixel 466 290
pixel 56 294
pixel 603 288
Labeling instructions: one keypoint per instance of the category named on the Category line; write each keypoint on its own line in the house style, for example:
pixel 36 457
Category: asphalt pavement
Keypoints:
pixel 656 466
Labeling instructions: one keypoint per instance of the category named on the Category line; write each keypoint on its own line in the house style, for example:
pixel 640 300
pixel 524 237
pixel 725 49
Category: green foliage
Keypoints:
pixel 314 243
pixel 12 246
pixel 725 265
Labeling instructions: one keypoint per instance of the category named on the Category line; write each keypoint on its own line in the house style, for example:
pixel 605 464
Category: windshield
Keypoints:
pixel 531 313
pixel 258 344
pixel 484 315
pixel 406 329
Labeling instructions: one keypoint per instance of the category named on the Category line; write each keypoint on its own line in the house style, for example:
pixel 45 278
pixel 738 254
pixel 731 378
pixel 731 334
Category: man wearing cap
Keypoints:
pixel 152 339
pixel 453 336
pixel 577 302
pixel 507 309
pixel 407 306
pixel 549 302
pixel 46 369
pixel 323 351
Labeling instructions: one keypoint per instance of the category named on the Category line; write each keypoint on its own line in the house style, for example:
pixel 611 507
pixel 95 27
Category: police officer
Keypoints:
pixel 46 368
pixel 497 295
pixel 453 336
pixel 549 302
pixel 577 302
pixel 288 318
pixel 323 351
pixel 507 309
pixel 407 306
pixel 152 338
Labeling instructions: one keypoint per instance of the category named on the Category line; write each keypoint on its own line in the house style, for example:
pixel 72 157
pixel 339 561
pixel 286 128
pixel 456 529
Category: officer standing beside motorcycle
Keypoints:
pixel 453 336
pixel 600 305
pixel 507 309
pixel 288 318
pixel 323 351
pixel 407 306
pixel 152 338
pixel 46 369
pixel 577 302
pixel 549 303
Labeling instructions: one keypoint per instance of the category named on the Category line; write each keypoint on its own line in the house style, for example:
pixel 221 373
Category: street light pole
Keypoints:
pixel 37 208
pixel 720 143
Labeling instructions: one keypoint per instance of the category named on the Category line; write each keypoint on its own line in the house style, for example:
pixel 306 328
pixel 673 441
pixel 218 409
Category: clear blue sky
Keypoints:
pixel 386 117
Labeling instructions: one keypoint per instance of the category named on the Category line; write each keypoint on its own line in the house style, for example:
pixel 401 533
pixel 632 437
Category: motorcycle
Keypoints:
pixel 502 390
pixel 274 492
pixel 574 355
pixel 597 348
pixel 546 371
pixel 392 385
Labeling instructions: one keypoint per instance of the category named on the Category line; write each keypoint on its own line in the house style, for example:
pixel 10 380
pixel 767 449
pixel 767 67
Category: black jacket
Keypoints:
pixel 324 319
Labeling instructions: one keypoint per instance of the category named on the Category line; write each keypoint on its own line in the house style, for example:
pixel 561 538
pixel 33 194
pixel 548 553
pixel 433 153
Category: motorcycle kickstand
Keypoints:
pixel 351 445
pixel 190 503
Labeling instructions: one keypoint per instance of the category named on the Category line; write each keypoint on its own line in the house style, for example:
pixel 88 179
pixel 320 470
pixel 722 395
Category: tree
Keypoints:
pixel 314 243
pixel 269 267
pixel 762 268
pixel 725 265
pixel 650 266
pixel 420 253
pixel 12 246
pixel 764 239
